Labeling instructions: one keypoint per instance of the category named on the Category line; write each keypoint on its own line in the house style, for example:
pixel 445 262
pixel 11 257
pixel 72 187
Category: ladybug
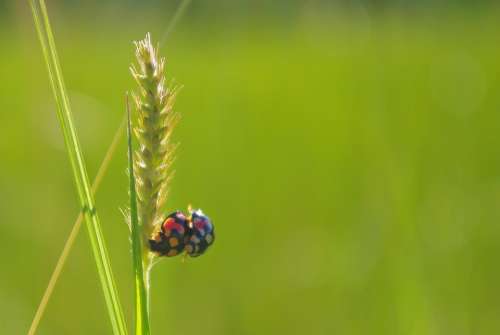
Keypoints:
pixel 170 240
pixel 201 234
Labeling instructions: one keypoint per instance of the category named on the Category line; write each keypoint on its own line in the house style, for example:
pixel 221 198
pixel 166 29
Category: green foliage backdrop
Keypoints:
pixel 350 162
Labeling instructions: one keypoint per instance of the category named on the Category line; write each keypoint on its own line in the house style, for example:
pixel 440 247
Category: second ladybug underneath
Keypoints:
pixel 201 234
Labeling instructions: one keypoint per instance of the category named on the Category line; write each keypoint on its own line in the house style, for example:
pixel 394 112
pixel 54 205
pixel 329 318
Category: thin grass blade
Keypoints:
pixel 179 12
pixel 44 31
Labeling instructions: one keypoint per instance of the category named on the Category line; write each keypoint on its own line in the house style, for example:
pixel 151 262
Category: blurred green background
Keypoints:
pixel 348 153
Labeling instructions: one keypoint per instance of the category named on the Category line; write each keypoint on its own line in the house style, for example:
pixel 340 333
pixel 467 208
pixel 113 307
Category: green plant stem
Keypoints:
pixel 78 167
pixel 141 284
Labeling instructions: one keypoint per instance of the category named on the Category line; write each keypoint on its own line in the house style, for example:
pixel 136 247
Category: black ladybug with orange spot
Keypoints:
pixel 170 240
pixel 201 234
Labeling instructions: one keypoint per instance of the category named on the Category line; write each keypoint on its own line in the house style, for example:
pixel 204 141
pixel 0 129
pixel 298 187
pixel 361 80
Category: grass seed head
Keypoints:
pixel 156 119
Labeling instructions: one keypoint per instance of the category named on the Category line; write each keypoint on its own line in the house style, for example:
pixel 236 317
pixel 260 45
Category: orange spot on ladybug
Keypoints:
pixel 172 252
pixel 173 242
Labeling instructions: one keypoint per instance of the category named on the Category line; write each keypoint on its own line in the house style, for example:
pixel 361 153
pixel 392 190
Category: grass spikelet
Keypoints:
pixel 155 121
